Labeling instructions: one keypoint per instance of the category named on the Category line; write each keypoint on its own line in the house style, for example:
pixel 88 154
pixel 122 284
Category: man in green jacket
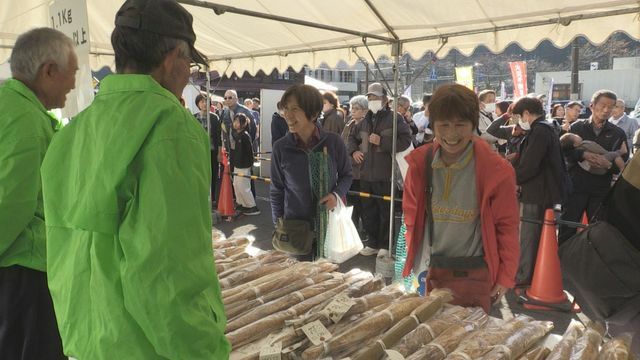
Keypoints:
pixel 126 185
pixel 43 68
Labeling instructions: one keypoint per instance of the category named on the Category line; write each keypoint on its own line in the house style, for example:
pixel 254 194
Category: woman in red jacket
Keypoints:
pixel 468 237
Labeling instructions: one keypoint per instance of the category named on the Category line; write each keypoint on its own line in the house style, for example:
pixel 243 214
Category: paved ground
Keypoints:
pixel 260 227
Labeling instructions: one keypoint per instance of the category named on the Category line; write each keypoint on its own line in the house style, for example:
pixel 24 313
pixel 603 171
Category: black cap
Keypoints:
pixel 162 17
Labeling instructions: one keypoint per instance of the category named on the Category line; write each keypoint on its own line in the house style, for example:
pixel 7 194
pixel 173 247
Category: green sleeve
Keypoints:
pixel 19 187
pixel 169 281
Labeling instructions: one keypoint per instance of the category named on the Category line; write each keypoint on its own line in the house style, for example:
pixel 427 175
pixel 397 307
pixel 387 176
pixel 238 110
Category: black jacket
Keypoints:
pixel 279 127
pixel 540 166
pixel 611 138
pixel 377 158
pixel 243 153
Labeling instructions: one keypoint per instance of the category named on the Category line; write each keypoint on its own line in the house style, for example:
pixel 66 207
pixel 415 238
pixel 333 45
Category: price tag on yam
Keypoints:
pixel 338 307
pixel 316 332
pixel 271 352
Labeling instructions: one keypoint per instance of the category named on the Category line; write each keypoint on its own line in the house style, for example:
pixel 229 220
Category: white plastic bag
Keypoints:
pixel 342 240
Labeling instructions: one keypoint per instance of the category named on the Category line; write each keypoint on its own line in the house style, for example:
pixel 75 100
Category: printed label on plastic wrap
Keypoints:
pixel 338 307
pixel 271 352
pixel 316 332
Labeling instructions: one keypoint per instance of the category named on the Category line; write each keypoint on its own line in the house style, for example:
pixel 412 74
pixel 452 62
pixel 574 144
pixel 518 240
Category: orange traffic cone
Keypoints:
pixel 584 221
pixel 546 287
pixel 225 200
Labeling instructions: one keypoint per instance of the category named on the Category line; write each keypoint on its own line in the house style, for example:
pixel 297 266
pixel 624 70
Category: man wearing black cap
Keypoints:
pixel 126 188
pixel 370 145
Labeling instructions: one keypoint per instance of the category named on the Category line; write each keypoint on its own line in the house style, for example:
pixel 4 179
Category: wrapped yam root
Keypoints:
pixel 369 327
pixel 519 342
pixel 276 321
pixel 617 348
pixel 562 350
pixel 588 346
pixel 538 353
pixel 426 332
pixel 418 316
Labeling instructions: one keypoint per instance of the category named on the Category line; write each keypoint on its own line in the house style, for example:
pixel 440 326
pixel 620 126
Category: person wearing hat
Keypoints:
pixel 370 145
pixel 126 188
pixel 43 69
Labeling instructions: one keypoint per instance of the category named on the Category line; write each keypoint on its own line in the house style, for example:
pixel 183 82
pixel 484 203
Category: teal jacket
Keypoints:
pixel 26 130
pixel 130 261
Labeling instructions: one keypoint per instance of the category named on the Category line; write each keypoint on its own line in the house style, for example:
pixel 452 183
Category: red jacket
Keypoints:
pixel 499 213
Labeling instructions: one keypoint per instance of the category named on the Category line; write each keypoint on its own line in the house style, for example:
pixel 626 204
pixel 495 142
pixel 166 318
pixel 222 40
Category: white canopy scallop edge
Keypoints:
pixel 236 42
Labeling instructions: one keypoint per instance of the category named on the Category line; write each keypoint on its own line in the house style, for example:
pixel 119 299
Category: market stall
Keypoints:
pixel 278 308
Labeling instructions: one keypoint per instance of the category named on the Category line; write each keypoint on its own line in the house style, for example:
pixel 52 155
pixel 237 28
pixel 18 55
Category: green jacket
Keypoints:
pixel 130 261
pixel 26 130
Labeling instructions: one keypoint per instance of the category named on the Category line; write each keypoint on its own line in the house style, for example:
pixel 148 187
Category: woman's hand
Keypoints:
pixel 330 201
pixel 497 293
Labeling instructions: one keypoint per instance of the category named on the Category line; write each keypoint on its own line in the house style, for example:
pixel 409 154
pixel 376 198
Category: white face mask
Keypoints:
pixel 375 105
pixel 490 107
pixel 524 125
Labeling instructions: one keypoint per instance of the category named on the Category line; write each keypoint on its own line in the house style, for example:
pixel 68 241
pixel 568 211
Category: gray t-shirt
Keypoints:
pixel 456 214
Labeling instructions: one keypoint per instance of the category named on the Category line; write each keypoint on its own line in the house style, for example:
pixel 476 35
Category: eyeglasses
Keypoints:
pixel 228 97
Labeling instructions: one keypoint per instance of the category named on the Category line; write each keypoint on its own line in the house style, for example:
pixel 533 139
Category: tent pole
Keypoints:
pixel 397 49
pixel 209 132
pixel 220 9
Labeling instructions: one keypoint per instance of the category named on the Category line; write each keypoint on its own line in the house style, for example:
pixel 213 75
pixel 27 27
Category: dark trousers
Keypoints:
pixel 356 202
pixel 28 328
pixel 215 172
pixel 529 241
pixel 375 213
pixel 579 201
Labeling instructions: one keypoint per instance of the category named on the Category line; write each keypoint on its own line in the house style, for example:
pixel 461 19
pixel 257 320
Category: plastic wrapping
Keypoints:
pixel 588 346
pixel 420 315
pixel 424 333
pixel 520 341
pixel 371 326
pixel 562 350
pixel 617 348
pixel 482 341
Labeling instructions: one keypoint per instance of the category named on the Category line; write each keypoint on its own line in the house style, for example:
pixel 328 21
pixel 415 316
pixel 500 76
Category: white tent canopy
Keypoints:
pixel 320 85
pixel 237 42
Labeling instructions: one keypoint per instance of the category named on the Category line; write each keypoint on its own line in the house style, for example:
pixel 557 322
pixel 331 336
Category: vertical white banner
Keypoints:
pixel 70 17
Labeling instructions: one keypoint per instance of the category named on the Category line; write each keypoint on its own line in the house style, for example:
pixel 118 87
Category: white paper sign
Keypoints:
pixel 338 307
pixel 272 352
pixel 70 17
pixel 316 332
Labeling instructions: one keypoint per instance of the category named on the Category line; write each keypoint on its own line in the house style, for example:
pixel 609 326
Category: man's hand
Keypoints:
pixel 597 161
pixel 330 201
pixel 358 156
pixel 374 139
pixel 497 293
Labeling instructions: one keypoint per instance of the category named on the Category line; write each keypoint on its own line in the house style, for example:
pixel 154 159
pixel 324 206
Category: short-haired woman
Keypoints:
pixel 466 234
pixel 332 115
pixel 309 166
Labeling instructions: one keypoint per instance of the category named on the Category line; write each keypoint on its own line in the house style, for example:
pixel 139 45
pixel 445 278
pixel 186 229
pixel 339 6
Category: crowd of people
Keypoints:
pixel 105 248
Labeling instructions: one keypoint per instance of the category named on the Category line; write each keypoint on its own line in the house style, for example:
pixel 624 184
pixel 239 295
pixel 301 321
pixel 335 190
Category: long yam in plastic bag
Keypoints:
pixel 426 332
pixel 276 321
pixel 519 342
pixel 563 348
pixel 372 326
pixel 282 303
pixel 588 345
pixel 418 316
pixel 617 348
